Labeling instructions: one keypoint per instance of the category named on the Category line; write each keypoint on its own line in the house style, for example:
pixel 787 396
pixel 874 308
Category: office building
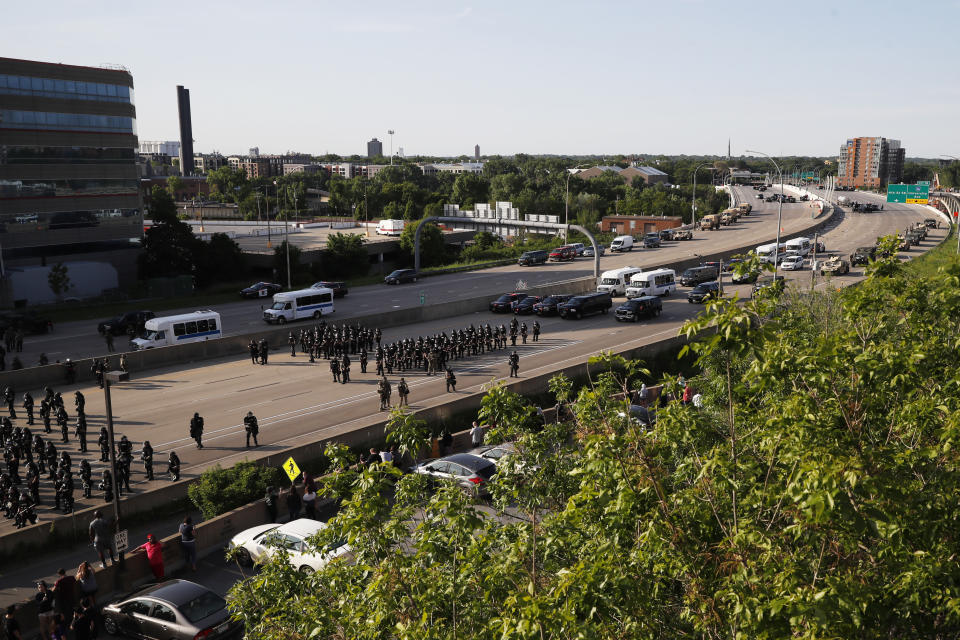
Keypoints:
pixel 456 167
pixel 870 163
pixel 204 163
pixel 186 131
pixel 374 148
pixel 68 178
pixel 160 147
pixel 476 153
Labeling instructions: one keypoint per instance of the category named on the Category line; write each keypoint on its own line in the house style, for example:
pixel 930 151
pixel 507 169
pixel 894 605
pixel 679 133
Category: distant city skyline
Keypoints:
pixel 568 78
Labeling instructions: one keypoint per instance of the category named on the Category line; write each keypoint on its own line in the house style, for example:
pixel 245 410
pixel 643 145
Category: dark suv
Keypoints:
pixel 704 291
pixel 125 323
pixel 400 276
pixel 642 307
pixel 863 255
pixel 549 305
pixel 339 288
pixel 533 257
pixel 696 275
pixel 504 303
pixel 579 306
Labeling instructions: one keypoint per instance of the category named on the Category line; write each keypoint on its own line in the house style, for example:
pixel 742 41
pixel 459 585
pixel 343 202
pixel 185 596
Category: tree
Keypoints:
pixel 169 245
pixel 59 279
pixel 469 189
pixel 219 260
pixel 432 247
pixel 281 259
pixel 346 256
pixel 175 185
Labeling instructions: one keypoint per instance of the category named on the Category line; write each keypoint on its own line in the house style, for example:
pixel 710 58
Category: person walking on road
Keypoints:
pixel 109 337
pixel 383 388
pixel 9 397
pixel 514 365
pixel 28 407
pixel 451 381
pixel 254 352
pixel 99 532
pixel 536 331
pixel 196 429
pixel 252 428
pixel 403 390
pixel 264 350
pixel 292 341
pixel 173 466
pixel 146 455
pixel 154 551
pixel 188 542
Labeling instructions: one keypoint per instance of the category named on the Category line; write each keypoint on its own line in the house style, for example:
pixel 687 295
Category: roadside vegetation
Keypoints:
pixel 811 496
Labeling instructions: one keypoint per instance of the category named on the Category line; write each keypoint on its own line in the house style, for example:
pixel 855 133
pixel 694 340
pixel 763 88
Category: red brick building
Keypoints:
pixel 638 225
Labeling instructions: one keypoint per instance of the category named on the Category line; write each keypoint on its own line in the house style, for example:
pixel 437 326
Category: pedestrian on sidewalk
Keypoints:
pixel 309 502
pixel 270 500
pixel 293 503
pixel 87 580
pixel 44 600
pixel 64 590
pixel 10 625
pixel 83 624
pixel 476 434
pixel 446 442
pixel 99 532
pixel 154 551
pixel 188 542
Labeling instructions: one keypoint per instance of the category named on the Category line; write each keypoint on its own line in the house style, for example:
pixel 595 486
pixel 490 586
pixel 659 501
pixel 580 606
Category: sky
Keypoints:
pixel 527 76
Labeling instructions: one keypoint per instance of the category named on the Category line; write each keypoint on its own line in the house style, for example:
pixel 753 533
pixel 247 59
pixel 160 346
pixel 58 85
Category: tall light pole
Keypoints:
pixel 286 236
pixel 776 247
pixel 390 131
pixel 113 377
pixel 693 199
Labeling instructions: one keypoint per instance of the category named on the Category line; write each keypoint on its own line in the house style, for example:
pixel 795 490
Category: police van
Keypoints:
pixel 659 282
pixel 615 281
pixel 296 305
pixel 180 329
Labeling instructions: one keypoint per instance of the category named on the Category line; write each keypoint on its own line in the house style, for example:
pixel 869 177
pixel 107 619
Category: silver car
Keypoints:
pixel 588 251
pixel 472 473
pixel 172 610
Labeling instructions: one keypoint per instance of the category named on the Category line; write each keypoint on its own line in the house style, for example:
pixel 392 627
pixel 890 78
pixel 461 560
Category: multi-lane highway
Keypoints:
pixel 296 402
pixel 81 340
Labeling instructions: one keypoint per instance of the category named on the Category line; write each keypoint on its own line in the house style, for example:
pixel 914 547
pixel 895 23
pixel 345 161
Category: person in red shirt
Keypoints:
pixel 687 394
pixel 154 551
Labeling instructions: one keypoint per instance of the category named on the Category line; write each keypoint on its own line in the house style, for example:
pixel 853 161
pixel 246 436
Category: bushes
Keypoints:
pixel 219 490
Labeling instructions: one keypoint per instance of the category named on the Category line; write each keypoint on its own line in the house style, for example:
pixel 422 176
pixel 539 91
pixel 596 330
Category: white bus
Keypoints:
pixel 180 329
pixel 659 282
pixel 799 245
pixel 296 305
pixel 765 251
pixel 615 281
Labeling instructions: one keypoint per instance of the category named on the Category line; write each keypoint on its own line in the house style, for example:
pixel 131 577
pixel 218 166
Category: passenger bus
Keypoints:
pixel 296 305
pixel 180 329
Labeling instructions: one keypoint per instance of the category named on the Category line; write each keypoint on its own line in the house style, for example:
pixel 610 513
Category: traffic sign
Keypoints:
pixel 121 540
pixel 908 193
pixel 293 471
pixel 923 183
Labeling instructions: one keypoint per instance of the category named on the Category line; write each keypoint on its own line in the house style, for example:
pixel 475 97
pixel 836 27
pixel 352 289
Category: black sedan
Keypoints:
pixel 261 290
pixel 704 291
pixel 525 306
pixel 175 609
pixel 130 322
pixel 505 303
pixel 400 276
pixel 339 288
pixel 548 306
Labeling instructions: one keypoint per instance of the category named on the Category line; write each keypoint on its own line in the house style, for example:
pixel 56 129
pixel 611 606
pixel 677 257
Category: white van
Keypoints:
pixel 659 282
pixel 296 305
pixel 801 246
pixel 180 329
pixel 765 251
pixel 578 247
pixel 622 243
pixel 390 227
pixel 615 282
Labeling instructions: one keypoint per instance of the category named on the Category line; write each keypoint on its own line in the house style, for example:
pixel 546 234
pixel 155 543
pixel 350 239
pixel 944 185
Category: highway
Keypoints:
pixel 81 340
pixel 296 402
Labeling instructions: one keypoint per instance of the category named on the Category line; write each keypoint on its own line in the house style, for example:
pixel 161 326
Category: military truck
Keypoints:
pixel 745 208
pixel 863 255
pixel 729 216
pixel 834 265
pixel 710 222
pixel 682 234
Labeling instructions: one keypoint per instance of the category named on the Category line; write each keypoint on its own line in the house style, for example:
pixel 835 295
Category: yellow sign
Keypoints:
pixel 293 471
pixel 918 201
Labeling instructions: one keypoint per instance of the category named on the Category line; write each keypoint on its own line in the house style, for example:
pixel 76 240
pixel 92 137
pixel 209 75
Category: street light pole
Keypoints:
pixel 693 199
pixel 776 247
pixel 390 131
pixel 108 377
pixel 286 235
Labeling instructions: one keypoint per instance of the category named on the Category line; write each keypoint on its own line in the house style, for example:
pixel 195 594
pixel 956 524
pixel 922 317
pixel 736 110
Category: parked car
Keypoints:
pixel 171 610
pixel 563 253
pixel 258 544
pixel 579 306
pixel 792 263
pixel 261 290
pixel 775 283
pixel 588 251
pixel 533 257
pixel 339 288
pixel 639 308
pixel 579 247
pixel 470 472
pixel 496 452
pixel 704 291
pixel 400 276
pixel 525 307
pixel 127 322
pixel 504 304
pixel 548 306
pixel 651 241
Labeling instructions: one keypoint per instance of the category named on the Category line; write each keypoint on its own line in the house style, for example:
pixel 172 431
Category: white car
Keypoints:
pixel 792 263
pixel 257 544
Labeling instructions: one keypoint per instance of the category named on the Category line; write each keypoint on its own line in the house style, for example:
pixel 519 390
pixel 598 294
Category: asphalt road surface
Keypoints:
pixel 81 340
pixel 297 402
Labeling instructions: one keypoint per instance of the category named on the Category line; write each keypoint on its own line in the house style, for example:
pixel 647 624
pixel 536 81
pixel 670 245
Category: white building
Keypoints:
pixel 162 147
pixel 456 167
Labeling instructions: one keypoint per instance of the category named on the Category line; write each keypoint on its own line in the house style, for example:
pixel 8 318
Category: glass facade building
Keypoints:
pixel 69 187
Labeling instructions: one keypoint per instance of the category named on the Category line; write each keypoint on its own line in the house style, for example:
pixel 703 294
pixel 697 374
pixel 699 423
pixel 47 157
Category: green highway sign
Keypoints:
pixel 923 183
pixel 908 193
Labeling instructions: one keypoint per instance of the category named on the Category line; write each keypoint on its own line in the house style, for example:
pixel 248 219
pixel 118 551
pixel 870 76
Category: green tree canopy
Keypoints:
pixel 432 248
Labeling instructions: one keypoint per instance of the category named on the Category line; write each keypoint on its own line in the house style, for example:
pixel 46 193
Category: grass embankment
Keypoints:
pixel 941 256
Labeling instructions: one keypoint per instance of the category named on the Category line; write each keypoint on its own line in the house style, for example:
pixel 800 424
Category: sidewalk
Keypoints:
pixel 18 581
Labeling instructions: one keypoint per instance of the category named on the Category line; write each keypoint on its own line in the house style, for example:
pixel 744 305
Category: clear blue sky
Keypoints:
pixel 671 76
